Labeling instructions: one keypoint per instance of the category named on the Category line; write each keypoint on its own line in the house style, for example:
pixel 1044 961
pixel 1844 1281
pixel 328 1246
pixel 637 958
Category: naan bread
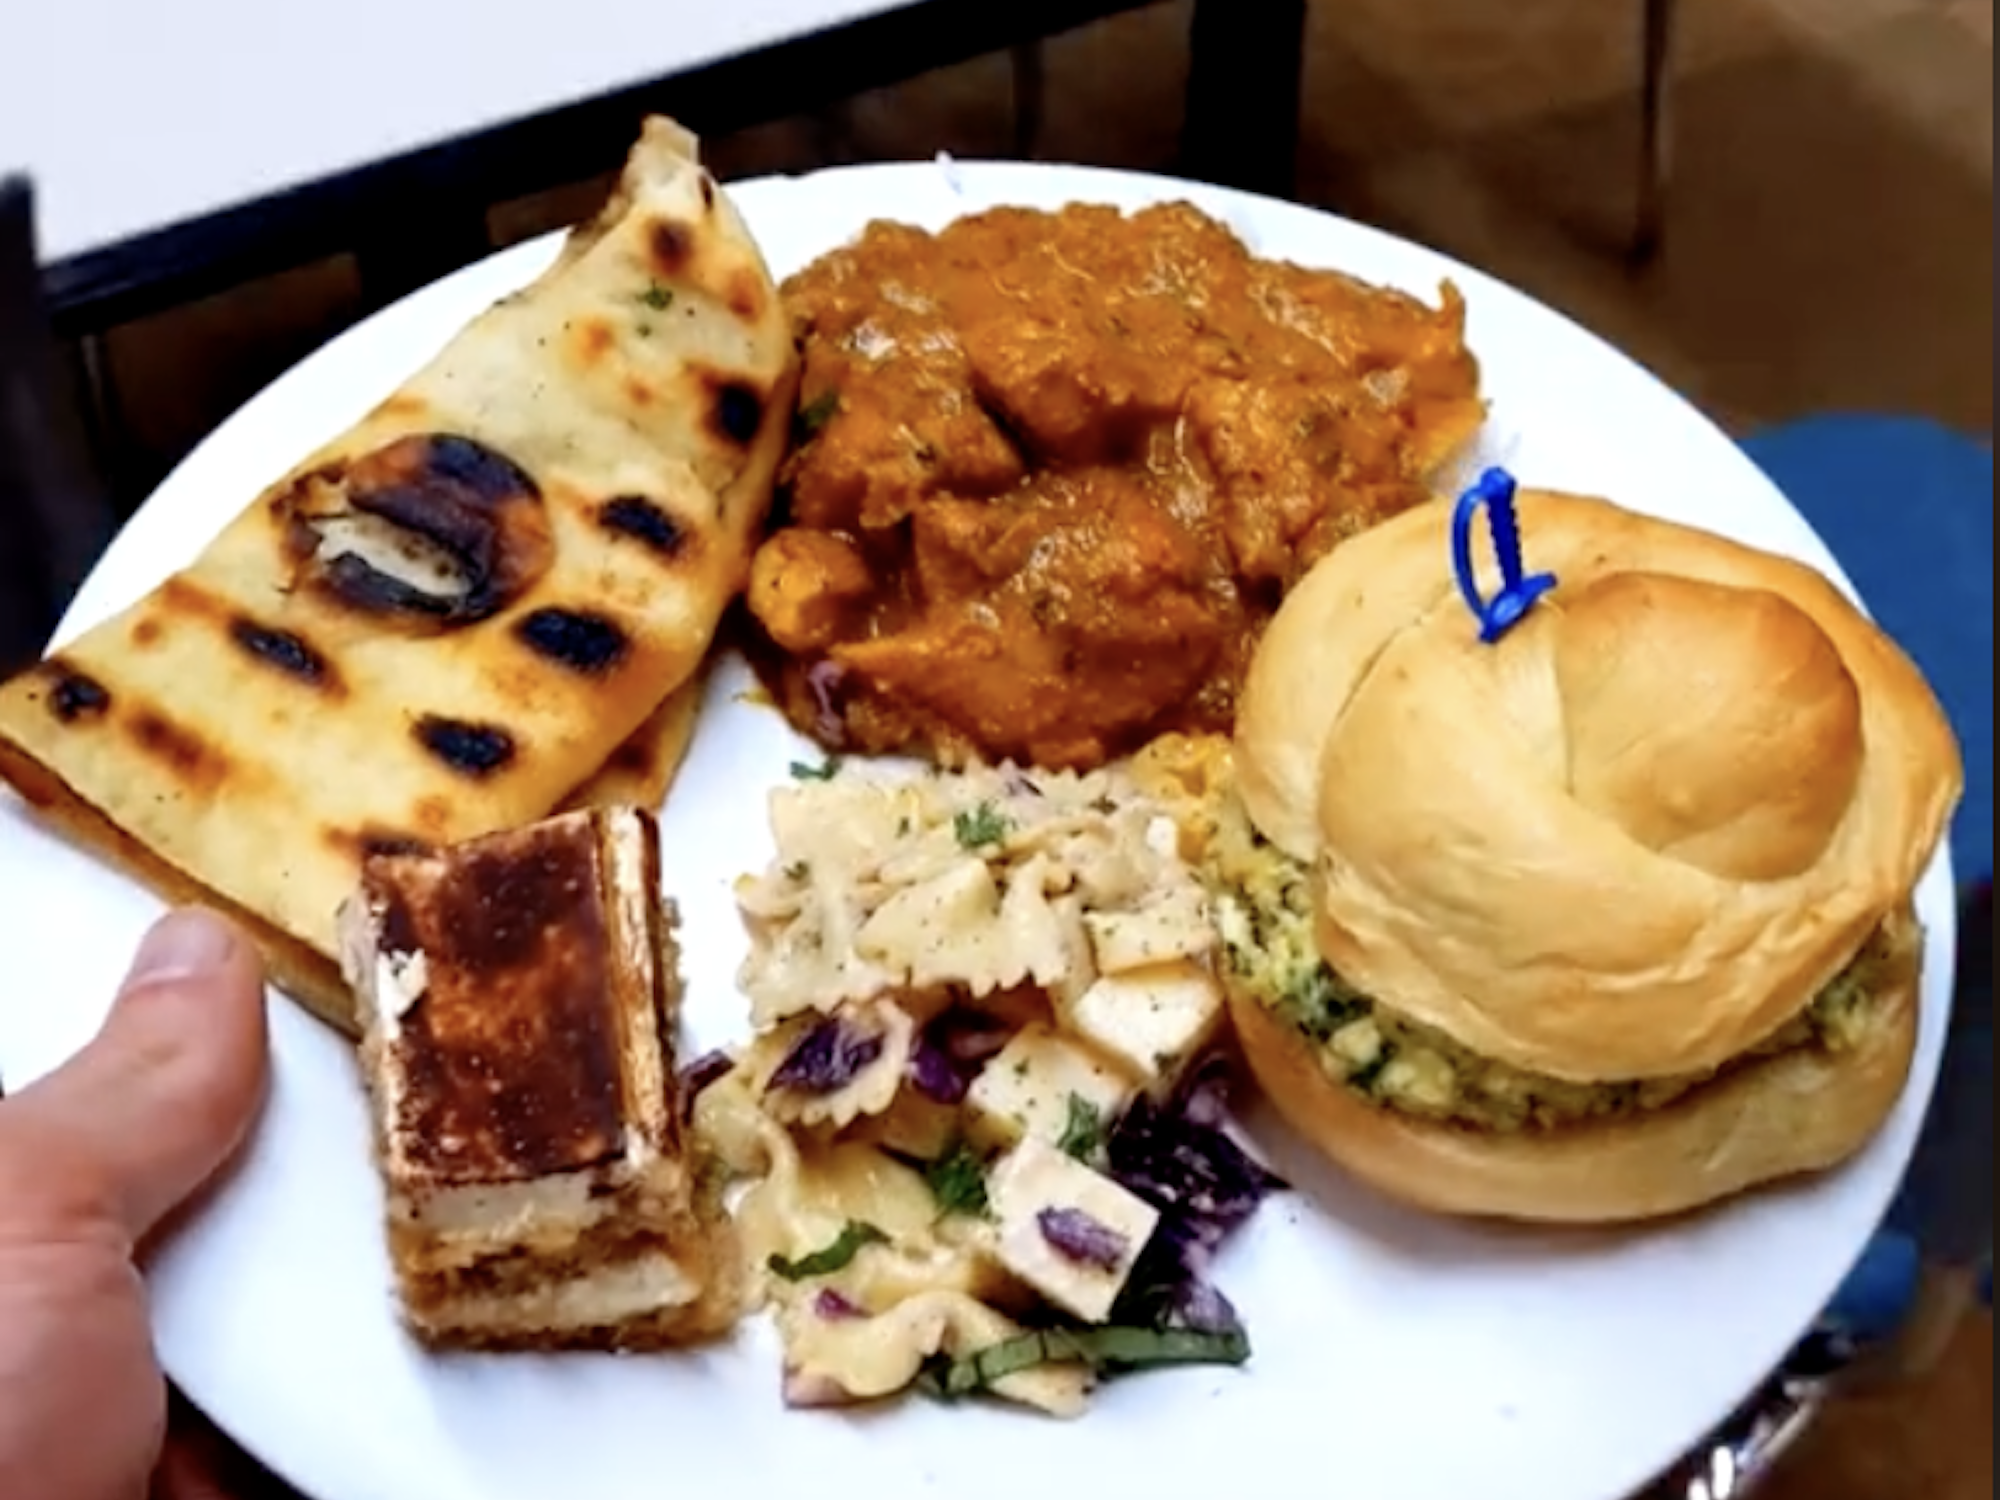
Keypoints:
pixel 445 621
pixel 641 771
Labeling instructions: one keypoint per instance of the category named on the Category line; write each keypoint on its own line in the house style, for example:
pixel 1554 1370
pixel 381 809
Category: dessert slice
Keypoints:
pixel 519 995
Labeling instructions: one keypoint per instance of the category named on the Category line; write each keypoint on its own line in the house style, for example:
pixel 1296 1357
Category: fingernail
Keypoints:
pixel 183 944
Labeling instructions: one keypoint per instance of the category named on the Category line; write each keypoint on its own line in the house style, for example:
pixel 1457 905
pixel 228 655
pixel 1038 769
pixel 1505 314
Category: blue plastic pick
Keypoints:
pixel 1494 493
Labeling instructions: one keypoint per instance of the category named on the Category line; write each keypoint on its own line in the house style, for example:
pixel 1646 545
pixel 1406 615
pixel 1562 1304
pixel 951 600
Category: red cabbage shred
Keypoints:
pixel 827 1058
pixel 1077 1236
pixel 1177 1157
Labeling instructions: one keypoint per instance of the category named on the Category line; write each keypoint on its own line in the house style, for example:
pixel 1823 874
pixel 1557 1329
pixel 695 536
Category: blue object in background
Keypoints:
pixel 1906 506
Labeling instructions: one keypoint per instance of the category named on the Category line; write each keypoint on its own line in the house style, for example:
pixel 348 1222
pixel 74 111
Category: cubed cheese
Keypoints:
pixel 1175 925
pixel 1151 1021
pixel 1070 1233
pixel 1027 1088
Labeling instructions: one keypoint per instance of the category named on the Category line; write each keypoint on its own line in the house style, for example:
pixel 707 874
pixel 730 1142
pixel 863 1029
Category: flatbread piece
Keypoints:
pixel 445 621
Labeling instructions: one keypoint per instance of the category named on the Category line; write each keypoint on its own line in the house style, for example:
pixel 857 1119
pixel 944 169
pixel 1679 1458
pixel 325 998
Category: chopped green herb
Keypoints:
pixel 1321 1002
pixel 834 1257
pixel 657 297
pixel 902 828
pixel 981 828
pixel 816 413
pixel 826 770
pixel 1083 1129
pixel 957 1180
pixel 798 872
pixel 931 1376
pixel 1108 1351
pixel 643 329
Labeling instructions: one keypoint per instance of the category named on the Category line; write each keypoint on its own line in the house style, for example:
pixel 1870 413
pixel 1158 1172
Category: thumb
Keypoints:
pixel 153 1106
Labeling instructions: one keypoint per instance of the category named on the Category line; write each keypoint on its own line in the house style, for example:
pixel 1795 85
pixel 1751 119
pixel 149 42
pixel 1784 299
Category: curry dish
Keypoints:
pixel 1054 472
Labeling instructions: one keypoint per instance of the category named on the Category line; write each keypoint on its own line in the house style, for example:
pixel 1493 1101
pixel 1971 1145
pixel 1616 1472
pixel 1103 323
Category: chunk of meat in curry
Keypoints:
pixel 1055 471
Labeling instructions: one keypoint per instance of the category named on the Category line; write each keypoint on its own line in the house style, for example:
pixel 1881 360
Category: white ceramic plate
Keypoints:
pixel 1397 1358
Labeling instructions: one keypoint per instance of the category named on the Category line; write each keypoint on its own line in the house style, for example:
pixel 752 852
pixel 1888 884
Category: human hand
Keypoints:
pixel 93 1159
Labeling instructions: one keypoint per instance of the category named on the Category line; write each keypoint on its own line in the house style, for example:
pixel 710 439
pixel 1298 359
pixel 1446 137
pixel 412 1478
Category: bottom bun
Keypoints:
pixel 1794 1113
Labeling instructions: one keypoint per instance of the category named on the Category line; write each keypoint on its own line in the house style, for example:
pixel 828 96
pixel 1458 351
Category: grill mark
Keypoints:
pixel 671 245
pixel 635 756
pixel 74 696
pixel 181 595
pixel 198 763
pixel 594 340
pixel 586 643
pixel 377 843
pixel 643 521
pixel 476 751
pixel 738 411
pixel 288 653
pixel 403 405
pixel 745 296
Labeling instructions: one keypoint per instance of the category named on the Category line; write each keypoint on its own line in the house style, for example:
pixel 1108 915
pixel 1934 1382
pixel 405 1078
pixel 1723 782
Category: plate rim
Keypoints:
pixel 90 602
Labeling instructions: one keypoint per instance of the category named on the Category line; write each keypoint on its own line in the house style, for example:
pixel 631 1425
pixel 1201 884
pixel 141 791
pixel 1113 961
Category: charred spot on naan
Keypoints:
pixel 670 248
pixel 472 750
pixel 581 640
pixel 194 764
pixel 735 407
pixel 403 406
pixel 286 652
pixel 74 697
pixel 645 522
pixel 377 843
pixel 739 412
pixel 636 756
pixel 182 601
pixel 432 530
pixel 594 338
pixel 745 296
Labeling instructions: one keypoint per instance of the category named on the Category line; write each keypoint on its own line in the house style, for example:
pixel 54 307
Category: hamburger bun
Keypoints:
pixel 1632 840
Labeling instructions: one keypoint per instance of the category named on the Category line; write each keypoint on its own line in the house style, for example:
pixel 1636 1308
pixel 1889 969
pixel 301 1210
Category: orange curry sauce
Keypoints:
pixel 1054 472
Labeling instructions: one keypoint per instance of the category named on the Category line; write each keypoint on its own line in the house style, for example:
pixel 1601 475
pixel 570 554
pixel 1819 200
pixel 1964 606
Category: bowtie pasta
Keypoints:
pixel 979 1111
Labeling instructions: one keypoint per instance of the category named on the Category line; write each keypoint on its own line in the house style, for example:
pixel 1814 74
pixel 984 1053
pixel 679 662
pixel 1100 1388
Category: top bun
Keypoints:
pixel 1631 839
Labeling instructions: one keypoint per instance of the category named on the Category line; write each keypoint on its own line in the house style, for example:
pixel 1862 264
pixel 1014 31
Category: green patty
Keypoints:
pixel 1267 927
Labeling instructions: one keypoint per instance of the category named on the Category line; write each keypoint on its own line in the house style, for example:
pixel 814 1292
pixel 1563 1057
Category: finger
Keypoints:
pixel 169 1087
